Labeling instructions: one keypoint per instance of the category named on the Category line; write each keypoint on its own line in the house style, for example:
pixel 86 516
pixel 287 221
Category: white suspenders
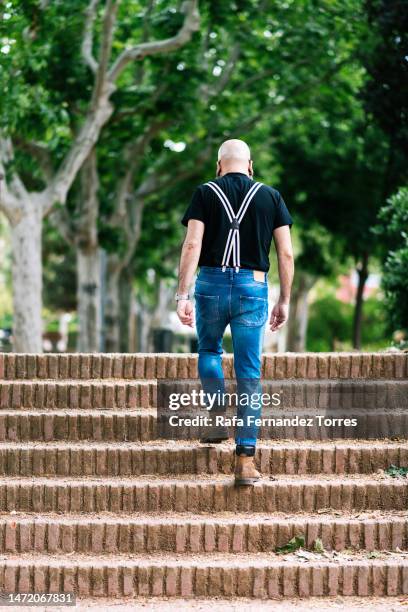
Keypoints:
pixel 233 245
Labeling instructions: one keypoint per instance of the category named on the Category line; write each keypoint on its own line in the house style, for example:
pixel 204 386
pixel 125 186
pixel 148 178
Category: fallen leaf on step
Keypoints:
pixel 318 546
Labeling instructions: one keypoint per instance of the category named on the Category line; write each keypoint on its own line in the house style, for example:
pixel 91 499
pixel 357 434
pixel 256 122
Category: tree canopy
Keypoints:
pixel 112 112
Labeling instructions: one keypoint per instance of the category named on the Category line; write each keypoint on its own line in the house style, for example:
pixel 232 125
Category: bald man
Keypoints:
pixel 231 222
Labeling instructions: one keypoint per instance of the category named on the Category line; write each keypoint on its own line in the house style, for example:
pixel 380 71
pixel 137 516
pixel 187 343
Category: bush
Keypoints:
pixel 395 284
pixel 393 229
pixel 331 321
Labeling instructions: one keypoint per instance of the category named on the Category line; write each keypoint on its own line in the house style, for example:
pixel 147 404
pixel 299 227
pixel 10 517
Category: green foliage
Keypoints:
pixel 330 324
pixel 393 220
pixel 318 546
pixel 294 544
pixel 393 229
pixel 112 239
pixel 395 284
pixel 386 64
pixel 6 321
pixel 302 82
pixel 319 254
pixel 375 332
pixel 294 113
pixel 397 472
pixel 41 69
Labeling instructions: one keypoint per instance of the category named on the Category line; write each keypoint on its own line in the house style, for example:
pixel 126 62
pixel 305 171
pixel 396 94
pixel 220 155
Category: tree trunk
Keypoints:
pixel 164 302
pixel 143 320
pixel 89 300
pixel 133 342
pixel 146 343
pixel 298 313
pixel 362 271
pixel 112 307
pixel 125 295
pixel 88 259
pixel 26 247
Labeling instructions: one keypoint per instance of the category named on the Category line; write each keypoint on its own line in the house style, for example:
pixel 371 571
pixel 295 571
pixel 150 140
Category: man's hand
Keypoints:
pixel 185 312
pixel 190 255
pixel 279 315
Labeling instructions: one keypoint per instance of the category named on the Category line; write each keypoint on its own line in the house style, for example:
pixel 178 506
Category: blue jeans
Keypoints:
pixel 233 298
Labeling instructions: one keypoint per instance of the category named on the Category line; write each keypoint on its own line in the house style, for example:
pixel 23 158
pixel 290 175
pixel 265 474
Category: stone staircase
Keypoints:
pixel 92 501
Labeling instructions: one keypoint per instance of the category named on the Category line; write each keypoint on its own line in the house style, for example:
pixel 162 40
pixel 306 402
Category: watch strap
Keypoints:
pixel 182 296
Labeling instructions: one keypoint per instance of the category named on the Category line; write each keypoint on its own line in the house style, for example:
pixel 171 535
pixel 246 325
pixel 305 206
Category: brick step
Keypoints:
pixel 110 393
pixel 76 424
pixel 141 425
pixel 77 394
pixel 209 494
pixel 262 576
pixel 132 459
pixel 379 423
pixel 241 604
pixel 232 533
pixel 170 365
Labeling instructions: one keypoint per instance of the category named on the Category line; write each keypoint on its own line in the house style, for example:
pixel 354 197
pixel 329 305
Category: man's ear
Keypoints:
pixel 218 170
pixel 250 168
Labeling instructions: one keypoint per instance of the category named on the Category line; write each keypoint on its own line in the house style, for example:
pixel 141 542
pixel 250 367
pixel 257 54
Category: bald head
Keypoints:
pixel 234 156
pixel 234 149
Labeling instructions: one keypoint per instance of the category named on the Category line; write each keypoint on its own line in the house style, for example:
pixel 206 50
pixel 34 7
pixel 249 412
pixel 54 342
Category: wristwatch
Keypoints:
pixel 181 296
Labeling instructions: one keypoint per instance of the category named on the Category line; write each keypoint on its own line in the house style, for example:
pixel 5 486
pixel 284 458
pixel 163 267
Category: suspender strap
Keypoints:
pixel 224 200
pixel 232 246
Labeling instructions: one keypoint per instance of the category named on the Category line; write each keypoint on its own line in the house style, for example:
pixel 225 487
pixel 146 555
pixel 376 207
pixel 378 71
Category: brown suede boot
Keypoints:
pixel 245 472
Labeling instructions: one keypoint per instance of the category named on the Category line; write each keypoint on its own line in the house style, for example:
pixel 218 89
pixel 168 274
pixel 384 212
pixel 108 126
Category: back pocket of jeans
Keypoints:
pixel 253 310
pixel 207 307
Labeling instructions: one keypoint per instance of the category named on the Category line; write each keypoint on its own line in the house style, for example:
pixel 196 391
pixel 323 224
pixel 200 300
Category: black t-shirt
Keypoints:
pixel 265 213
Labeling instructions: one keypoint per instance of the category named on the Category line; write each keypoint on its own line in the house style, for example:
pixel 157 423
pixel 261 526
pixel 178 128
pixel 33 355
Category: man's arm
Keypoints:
pixel 284 252
pixel 190 254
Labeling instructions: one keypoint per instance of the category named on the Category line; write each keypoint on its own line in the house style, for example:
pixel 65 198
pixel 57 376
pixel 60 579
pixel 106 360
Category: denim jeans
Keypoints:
pixel 233 298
